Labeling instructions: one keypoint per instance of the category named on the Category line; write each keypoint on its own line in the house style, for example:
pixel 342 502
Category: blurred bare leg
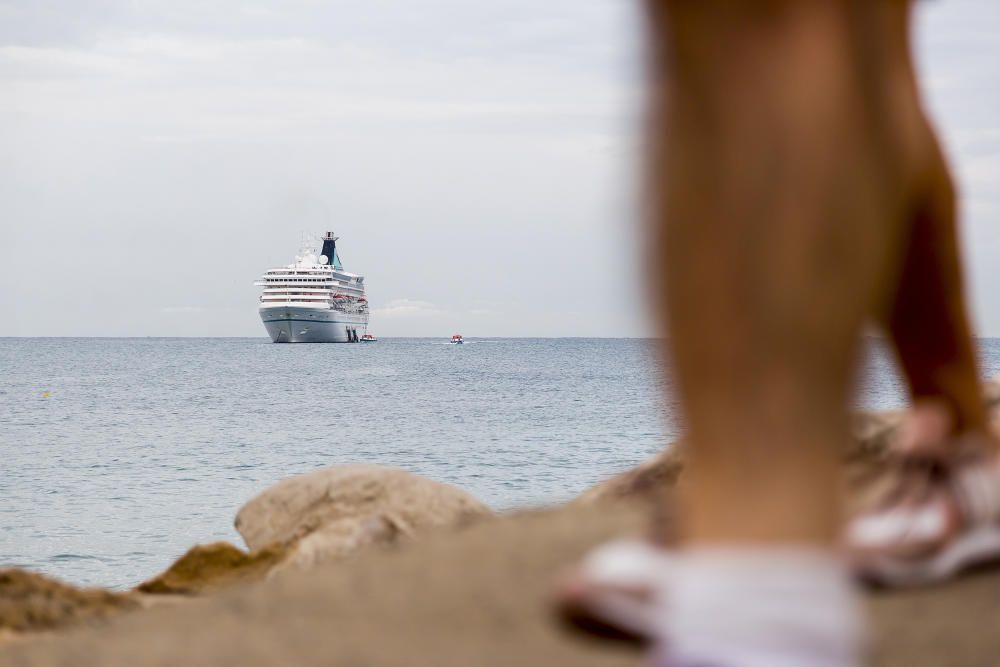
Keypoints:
pixel 777 200
pixel 926 316
pixel 928 321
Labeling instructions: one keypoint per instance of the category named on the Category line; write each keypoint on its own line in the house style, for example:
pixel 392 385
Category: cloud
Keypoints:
pixel 495 141
pixel 406 308
pixel 182 309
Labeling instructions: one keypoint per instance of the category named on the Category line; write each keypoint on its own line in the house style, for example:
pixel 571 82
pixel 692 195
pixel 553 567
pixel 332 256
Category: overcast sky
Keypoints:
pixel 476 158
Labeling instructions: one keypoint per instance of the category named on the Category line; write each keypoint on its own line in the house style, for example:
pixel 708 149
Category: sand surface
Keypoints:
pixel 476 597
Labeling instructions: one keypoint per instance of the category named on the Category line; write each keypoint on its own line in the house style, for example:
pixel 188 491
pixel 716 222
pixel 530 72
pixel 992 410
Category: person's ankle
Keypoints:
pixel 927 427
pixel 932 428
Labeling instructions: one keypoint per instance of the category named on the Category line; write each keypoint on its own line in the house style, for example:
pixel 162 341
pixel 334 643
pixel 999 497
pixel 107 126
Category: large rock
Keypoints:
pixel 315 518
pixel 332 512
pixel 873 434
pixel 653 475
pixel 209 567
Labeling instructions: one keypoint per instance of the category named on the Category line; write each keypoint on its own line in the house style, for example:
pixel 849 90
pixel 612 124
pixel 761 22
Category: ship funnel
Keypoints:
pixel 330 250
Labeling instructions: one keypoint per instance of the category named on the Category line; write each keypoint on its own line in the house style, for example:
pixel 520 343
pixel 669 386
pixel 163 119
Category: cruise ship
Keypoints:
pixel 314 300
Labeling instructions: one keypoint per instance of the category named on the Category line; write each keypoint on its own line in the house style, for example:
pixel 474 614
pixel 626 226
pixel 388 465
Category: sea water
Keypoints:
pixel 117 455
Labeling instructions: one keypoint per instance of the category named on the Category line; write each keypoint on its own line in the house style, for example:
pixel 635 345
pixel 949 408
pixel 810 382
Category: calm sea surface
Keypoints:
pixel 144 447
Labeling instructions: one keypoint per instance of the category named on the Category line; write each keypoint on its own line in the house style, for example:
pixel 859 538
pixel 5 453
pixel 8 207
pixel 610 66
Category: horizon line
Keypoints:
pixel 647 337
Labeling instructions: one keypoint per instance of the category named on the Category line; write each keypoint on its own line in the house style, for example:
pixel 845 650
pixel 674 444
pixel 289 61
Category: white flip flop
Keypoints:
pixel 976 490
pixel 617 591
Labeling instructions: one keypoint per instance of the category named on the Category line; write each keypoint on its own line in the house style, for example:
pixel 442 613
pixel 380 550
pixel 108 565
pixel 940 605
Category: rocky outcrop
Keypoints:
pixel 330 513
pixel 316 518
pixel 651 476
pixel 873 433
pixel 296 524
pixel 30 601
pixel 208 567
pixel 340 538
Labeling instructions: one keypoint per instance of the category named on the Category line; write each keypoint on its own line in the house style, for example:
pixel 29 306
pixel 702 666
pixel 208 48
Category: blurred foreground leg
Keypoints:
pixel 942 514
pixel 777 199
pixel 928 319
pixel 776 209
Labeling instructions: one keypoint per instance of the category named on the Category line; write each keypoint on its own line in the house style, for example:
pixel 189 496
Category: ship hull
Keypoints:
pixel 290 324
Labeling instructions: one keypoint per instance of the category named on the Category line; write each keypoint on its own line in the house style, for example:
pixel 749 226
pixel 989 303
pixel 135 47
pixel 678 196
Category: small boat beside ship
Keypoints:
pixel 369 338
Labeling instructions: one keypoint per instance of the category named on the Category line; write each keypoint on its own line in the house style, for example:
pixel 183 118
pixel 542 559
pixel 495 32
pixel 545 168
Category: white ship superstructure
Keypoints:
pixel 314 300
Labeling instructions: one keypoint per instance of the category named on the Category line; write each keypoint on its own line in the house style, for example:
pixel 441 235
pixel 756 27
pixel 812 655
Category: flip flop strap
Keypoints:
pixel 628 562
